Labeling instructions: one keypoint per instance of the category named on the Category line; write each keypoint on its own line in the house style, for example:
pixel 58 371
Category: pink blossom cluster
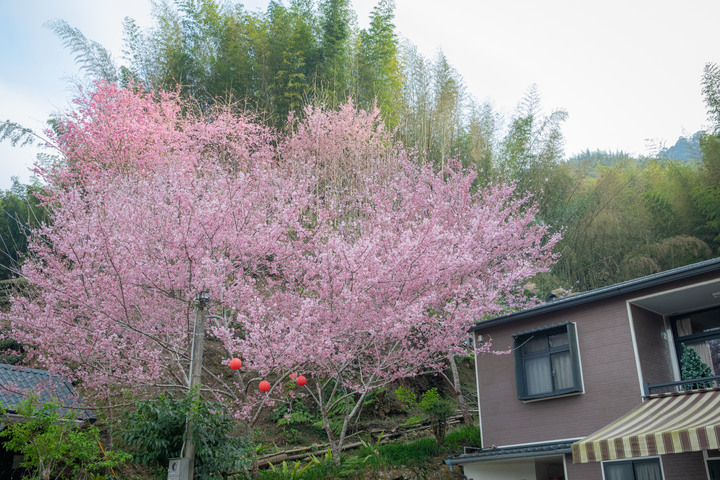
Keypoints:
pixel 326 250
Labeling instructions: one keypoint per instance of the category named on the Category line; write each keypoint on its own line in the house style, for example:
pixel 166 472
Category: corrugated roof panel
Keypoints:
pixel 501 453
pixel 16 383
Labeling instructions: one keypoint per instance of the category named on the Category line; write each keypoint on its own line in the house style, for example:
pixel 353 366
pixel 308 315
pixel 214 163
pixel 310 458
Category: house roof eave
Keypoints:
pixel 507 453
pixel 610 291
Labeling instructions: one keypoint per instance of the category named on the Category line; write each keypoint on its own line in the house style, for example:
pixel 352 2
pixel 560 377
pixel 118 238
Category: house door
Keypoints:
pixel 714 469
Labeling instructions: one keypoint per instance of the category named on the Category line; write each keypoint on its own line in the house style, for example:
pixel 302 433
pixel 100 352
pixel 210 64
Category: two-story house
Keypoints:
pixel 592 390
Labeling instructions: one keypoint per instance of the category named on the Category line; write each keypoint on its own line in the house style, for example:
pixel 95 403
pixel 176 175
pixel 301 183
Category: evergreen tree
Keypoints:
pixel 285 58
pixel 479 138
pixel 693 367
pixel 531 154
pixel 335 62
pixel 416 99
pixel 448 98
pixel 707 193
pixel 20 211
pixel 711 91
pixel 379 67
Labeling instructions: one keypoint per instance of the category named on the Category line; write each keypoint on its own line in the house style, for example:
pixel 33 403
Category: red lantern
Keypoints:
pixel 235 363
pixel 293 376
pixel 264 386
pixel 301 380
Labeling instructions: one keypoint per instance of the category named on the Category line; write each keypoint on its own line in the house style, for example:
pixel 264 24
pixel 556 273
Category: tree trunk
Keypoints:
pixel 43 471
pixel 462 404
pixel 439 427
pixel 198 346
pixel 335 445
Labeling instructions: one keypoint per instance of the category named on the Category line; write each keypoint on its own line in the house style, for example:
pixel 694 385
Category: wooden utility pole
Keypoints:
pixel 196 361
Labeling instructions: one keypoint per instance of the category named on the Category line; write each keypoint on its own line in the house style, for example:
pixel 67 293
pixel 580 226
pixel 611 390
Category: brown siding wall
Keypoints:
pixel 609 372
pixel 583 471
pixel 653 350
pixel 684 466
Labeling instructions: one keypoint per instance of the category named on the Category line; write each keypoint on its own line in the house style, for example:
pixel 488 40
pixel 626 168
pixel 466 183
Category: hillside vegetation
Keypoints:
pixel 621 217
pixel 239 93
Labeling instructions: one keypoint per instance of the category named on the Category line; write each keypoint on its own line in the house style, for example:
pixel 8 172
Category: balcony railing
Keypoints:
pixel 682 386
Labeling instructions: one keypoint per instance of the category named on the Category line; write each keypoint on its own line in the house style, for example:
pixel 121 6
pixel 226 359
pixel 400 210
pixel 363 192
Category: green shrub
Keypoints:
pixel 431 407
pixel 54 445
pixel 465 436
pixel 314 469
pixel 155 430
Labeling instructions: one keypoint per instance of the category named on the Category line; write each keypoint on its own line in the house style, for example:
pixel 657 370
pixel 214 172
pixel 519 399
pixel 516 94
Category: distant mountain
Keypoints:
pixel 599 158
pixel 686 149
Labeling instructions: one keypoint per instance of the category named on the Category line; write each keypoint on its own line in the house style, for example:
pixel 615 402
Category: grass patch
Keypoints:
pixel 302 470
pixel 408 454
pixel 399 454
pixel 465 436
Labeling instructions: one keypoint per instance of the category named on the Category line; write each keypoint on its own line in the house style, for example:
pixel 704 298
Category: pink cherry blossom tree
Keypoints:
pixel 327 251
pixel 389 289
pixel 152 204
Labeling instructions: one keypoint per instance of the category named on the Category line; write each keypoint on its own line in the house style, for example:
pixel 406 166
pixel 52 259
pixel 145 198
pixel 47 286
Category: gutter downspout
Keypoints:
pixel 451 464
pixel 452 470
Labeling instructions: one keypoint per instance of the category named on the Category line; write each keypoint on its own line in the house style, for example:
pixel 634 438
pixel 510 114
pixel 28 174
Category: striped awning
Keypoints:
pixel 672 423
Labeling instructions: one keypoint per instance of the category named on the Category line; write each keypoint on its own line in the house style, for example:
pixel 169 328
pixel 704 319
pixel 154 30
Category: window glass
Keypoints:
pixel 619 471
pixel 707 321
pixel 547 363
pixel 647 469
pixel 538 376
pixel 700 331
pixel 558 340
pixel 562 370
pixel 538 343
pixel 709 352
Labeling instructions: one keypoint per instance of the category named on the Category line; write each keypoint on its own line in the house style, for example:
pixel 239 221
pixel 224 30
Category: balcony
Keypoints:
pixel 682 386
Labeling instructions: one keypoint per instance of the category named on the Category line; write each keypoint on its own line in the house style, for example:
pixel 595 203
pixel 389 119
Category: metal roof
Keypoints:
pixel 539 329
pixel 16 383
pixel 629 286
pixel 503 453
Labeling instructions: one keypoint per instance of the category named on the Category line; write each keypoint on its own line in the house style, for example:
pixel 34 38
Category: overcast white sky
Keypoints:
pixel 627 71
